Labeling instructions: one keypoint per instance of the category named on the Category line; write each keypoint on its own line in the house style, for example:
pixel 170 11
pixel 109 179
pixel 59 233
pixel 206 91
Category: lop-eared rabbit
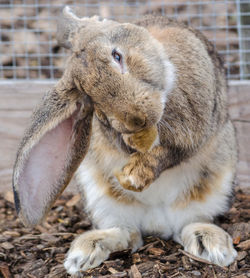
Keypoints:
pixel 140 117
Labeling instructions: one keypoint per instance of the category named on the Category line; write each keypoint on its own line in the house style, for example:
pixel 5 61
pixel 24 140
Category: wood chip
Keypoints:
pixel 9 196
pixel 236 240
pixel 57 271
pixel 83 224
pixel 186 263
pixel 149 245
pixel 41 229
pixel 241 255
pixel 234 266
pixel 112 270
pixel 135 273
pixel 145 266
pixel 73 201
pixel 11 233
pixel 172 257
pixel 155 251
pixel 112 263
pixel 193 257
pixel 136 258
pixel 49 238
pixel 4 269
pixel 115 275
pixel 7 245
pixel 245 245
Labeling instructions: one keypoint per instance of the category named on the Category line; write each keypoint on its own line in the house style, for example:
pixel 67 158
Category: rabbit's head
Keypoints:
pixel 121 67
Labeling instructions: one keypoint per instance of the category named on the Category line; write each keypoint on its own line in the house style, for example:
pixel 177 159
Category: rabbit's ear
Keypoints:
pixel 50 152
pixel 67 24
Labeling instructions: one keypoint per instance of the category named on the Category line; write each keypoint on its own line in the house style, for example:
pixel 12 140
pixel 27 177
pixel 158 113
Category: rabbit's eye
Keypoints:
pixel 117 56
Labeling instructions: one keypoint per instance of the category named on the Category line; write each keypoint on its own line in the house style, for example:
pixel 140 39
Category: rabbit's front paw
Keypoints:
pixel 143 140
pixel 85 254
pixel 209 242
pixel 92 248
pixel 135 176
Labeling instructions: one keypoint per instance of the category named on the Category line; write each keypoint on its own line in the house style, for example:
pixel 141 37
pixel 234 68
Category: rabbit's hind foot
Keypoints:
pixel 209 242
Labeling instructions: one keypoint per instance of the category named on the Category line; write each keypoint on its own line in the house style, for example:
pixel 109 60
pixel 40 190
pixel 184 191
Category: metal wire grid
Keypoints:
pixel 28 48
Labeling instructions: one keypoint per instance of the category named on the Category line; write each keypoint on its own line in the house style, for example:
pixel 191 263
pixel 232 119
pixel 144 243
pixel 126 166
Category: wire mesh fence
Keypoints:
pixel 28 48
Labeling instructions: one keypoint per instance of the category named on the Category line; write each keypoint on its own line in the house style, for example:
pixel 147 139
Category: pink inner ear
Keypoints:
pixel 40 181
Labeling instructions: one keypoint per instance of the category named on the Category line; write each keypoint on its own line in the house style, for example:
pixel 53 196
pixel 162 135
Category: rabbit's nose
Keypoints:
pixel 136 122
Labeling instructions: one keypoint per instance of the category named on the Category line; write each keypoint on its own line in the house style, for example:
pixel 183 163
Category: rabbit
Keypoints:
pixel 140 119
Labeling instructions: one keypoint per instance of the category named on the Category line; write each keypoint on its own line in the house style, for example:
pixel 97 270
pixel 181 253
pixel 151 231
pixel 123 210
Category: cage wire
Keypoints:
pixel 28 48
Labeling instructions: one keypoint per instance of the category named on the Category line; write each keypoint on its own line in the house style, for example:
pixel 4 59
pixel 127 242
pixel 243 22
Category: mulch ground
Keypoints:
pixel 39 252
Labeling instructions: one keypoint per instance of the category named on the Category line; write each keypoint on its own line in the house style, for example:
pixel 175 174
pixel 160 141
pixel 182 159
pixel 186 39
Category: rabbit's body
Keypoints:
pixel 162 152
pixel 180 195
pixel 194 190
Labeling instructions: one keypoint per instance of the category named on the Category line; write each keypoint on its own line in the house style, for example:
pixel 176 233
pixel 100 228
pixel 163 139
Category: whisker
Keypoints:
pixel 166 126
pixel 184 127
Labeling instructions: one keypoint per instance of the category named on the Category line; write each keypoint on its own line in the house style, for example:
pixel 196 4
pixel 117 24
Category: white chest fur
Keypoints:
pixel 153 210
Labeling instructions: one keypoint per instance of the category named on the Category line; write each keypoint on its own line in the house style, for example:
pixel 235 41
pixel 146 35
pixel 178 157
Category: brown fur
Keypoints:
pixel 119 195
pixel 143 140
pixel 208 184
pixel 112 190
pixel 127 99
pixel 216 161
